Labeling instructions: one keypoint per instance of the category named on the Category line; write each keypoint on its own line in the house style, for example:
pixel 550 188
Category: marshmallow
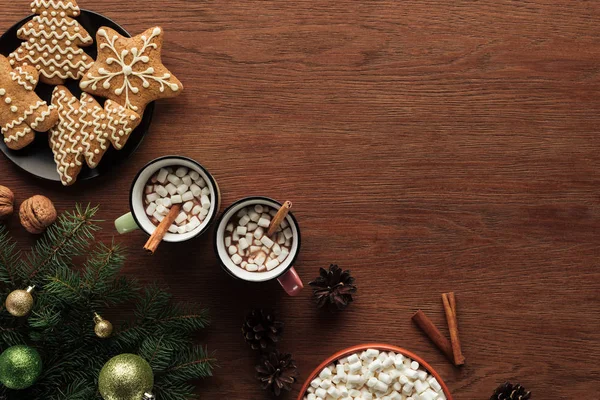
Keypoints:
pixel 243 243
pixel 152 197
pixel 264 223
pixel 171 189
pixel 229 228
pixel 187 207
pixel 258 233
pixel 196 191
pixel 176 199
pixel 159 217
pixel 181 218
pixel 193 224
pixel 244 220
pixel 181 172
pixel 173 228
pixel 272 264
pixel 194 175
pixel 252 226
pixel 288 235
pixel 181 189
pixel 187 180
pixel 174 179
pixel 252 268
pixel 237 260
pixel 167 202
pixel 267 242
pixel 206 191
pixel 241 230
pixel 188 196
pixel 181 229
pixel 162 175
pixel 205 202
pixel 259 208
pixel 151 208
pixel 254 216
pixel 161 190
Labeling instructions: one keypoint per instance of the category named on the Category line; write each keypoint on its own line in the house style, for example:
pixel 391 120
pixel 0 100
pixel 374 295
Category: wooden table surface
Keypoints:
pixel 428 146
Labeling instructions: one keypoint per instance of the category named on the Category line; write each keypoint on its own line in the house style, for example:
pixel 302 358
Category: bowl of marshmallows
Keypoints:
pixel 374 371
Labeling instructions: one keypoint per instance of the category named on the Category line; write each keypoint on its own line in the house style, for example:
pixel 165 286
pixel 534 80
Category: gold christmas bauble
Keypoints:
pixel 103 328
pixel 125 377
pixel 20 302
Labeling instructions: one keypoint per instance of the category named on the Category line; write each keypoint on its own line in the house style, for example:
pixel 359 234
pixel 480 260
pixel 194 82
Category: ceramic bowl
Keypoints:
pixel 382 347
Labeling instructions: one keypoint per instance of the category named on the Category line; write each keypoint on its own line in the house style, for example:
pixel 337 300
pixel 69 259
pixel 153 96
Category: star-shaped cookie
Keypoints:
pixel 129 71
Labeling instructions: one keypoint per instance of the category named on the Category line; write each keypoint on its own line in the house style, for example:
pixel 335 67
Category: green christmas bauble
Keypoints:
pixel 20 366
pixel 125 377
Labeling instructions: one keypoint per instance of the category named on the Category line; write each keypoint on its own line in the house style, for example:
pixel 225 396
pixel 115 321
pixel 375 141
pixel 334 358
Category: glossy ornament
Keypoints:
pixel 126 377
pixel 20 302
pixel 20 366
pixel 103 328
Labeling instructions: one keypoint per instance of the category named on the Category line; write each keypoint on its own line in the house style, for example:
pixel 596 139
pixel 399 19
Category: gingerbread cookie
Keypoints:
pixel 21 110
pixel 129 70
pixel 85 130
pixel 53 41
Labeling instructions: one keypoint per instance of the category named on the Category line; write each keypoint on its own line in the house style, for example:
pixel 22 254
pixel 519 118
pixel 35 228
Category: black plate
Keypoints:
pixel 37 158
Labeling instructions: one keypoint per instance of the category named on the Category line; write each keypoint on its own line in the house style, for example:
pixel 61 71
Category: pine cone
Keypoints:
pixel 261 330
pixel 508 391
pixel 333 288
pixel 276 371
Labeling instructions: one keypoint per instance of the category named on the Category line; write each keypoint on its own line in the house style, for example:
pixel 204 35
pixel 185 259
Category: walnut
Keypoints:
pixel 7 199
pixel 37 213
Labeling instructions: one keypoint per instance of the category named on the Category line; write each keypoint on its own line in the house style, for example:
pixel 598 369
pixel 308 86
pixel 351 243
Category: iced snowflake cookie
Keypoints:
pixel 85 131
pixel 53 41
pixel 129 71
pixel 21 110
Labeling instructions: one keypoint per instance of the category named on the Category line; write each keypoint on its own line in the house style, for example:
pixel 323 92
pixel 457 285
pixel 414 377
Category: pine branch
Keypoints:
pixel 9 258
pixel 61 325
pixel 67 238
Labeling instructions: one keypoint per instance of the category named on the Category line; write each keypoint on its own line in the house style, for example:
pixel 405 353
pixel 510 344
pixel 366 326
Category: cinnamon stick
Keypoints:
pixel 433 334
pixel 279 217
pixel 450 309
pixel 161 230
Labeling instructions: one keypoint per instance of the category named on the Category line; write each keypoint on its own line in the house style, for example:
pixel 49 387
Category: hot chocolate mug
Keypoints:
pixel 137 217
pixel 285 272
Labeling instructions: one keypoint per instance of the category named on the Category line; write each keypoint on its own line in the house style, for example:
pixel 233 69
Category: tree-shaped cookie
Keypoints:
pixel 21 110
pixel 53 41
pixel 85 131
pixel 129 70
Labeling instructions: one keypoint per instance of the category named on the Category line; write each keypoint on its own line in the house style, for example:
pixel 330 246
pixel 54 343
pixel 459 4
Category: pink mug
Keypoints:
pixel 285 273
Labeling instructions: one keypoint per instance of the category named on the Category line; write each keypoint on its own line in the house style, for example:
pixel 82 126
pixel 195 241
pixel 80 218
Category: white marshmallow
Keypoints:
pixel 196 191
pixel 174 179
pixel 288 235
pixel 264 223
pixel 272 265
pixel 205 191
pixel 267 242
pixel 167 202
pixel 171 189
pixel 193 224
pixel 181 172
pixel 181 229
pixel 259 208
pixel 176 199
pixel 159 217
pixel 181 218
pixel 241 230
pixel 187 207
pixel 173 228
pixel 243 243
pixel 244 220
pixel 194 175
pixel 283 255
pixel 252 267
pixel 162 209
pixel 254 216
pixel 258 233
pixel 181 189
pixel 152 197
pixel 252 226
pixel 228 241
pixel 205 202
pixel 187 196
pixel 187 180
pixel 237 260
pixel 162 175
pixel 229 228
pixel 161 191
pixel 151 208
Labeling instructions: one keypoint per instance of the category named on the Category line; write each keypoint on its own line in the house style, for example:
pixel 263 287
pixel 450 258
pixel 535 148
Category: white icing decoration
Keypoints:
pixel 14 109
pixel 11 125
pixel 60 5
pixel 8 100
pixel 128 69
pixel 78 138
pixel 50 39
pixel 2 92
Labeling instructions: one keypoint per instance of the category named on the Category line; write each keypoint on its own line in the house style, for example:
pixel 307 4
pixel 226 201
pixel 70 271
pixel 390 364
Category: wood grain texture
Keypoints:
pixel 429 146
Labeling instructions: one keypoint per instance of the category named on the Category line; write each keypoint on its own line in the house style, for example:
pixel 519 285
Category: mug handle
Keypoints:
pixel 126 223
pixel 291 282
